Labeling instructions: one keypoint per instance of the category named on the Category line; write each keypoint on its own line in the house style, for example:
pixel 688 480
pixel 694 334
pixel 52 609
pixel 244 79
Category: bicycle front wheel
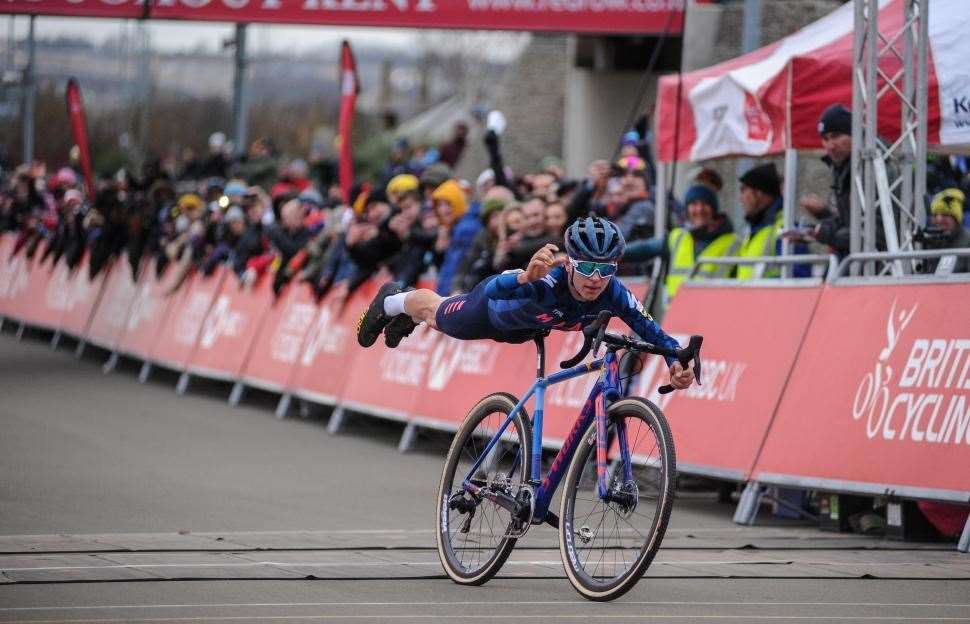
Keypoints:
pixel 473 533
pixel 607 544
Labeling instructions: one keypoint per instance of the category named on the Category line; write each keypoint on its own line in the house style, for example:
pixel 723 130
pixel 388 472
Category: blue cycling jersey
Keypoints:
pixel 548 304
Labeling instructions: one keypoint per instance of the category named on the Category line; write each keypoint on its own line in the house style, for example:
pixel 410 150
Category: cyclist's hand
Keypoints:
pixel 541 263
pixel 680 377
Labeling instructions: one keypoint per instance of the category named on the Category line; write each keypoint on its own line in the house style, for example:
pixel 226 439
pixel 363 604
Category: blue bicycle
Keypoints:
pixel 619 485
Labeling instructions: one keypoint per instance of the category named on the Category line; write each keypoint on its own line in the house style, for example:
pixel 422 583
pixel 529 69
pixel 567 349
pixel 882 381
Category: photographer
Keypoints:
pixel 947 232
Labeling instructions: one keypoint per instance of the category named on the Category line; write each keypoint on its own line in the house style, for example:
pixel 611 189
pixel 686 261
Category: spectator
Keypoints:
pixel 460 227
pixel 635 213
pixel 587 199
pixel 260 166
pixel 947 210
pixel 762 204
pixel 516 250
pixel 477 263
pixel 835 129
pixel 215 164
pixel 710 235
pixel 287 239
pixel 433 177
pixel 556 220
pixel 252 243
pixel 450 152
pixel 232 228
pixel 401 184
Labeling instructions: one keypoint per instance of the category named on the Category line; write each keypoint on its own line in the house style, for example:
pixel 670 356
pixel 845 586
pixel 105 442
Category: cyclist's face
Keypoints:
pixel 586 288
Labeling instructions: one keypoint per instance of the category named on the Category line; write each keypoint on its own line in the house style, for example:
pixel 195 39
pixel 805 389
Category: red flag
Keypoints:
pixel 75 110
pixel 349 88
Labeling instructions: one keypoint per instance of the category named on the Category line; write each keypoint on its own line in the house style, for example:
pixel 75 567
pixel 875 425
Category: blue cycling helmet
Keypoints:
pixel 596 239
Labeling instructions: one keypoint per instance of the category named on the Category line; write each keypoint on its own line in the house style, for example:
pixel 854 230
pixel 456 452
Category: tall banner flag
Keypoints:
pixel 349 88
pixel 75 110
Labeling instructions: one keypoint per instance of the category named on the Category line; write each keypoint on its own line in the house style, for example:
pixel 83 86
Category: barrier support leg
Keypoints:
pixel 283 407
pixel 56 340
pixel 964 544
pixel 407 438
pixel 1 323
pixel 79 351
pixel 111 364
pixel 20 332
pixel 145 372
pixel 336 420
pixel 748 504
pixel 183 384
pixel 238 391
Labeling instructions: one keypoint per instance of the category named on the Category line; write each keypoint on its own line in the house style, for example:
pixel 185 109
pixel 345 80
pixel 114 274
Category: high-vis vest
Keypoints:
pixel 762 243
pixel 681 246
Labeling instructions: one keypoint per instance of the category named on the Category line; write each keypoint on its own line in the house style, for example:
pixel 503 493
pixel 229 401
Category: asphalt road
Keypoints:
pixel 124 502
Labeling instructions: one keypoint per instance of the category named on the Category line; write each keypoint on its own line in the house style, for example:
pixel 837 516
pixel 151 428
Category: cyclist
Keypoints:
pixel 555 291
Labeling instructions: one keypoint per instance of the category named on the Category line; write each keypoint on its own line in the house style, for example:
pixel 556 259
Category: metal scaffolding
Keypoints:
pixel 888 180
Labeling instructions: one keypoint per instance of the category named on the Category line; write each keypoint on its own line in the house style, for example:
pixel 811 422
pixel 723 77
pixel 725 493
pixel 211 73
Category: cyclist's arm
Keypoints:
pixel 506 286
pixel 628 308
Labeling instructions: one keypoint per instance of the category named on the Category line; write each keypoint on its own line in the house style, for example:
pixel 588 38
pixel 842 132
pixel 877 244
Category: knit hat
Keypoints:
pixel 436 175
pixel 763 178
pixel 490 207
pixel 235 213
pixel 311 195
pixel 451 192
pixel 949 202
pixel 402 183
pixel 189 201
pixel 699 192
pixel 835 118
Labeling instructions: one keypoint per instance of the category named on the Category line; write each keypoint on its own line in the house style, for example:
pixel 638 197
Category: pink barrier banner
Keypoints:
pixel 183 323
pixel 108 321
pixel 229 329
pixel 39 291
pixel 279 343
pixel 81 295
pixel 13 275
pixel 148 311
pixel 751 339
pixel 889 410
pixel 455 374
pixel 330 349
pixel 624 16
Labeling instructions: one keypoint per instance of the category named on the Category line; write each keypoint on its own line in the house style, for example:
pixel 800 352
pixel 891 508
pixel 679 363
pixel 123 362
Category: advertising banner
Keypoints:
pixel 13 276
pixel 279 342
pixel 41 290
pixel 601 16
pixel 751 339
pixel 183 324
pixel 108 321
pixel 888 411
pixel 80 296
pixel 229 329
pixel 148 311
pixel 330 348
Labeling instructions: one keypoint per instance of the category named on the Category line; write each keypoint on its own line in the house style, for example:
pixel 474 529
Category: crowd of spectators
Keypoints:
pixel 265 217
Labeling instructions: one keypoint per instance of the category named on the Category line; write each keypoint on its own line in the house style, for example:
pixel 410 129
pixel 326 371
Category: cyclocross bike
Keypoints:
pixel 619 485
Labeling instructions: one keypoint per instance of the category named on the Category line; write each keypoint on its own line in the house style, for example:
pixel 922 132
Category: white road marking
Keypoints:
pixel 466 616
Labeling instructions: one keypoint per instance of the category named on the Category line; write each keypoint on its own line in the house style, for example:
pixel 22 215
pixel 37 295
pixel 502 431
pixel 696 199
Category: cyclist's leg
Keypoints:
pixel 422 305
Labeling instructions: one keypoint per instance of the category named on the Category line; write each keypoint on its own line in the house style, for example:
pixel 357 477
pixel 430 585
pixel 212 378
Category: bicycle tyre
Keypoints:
pixel 469 442
pixel 578 543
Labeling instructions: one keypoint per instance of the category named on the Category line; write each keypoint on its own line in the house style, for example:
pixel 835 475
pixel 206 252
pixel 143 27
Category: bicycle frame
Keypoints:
pixel 605 390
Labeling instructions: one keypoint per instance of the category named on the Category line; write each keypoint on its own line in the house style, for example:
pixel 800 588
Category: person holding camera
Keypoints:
pixel 947 232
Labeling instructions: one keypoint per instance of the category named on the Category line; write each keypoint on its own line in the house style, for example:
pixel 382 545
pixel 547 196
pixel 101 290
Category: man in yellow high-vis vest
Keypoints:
pixel 710 235
pixel 762 203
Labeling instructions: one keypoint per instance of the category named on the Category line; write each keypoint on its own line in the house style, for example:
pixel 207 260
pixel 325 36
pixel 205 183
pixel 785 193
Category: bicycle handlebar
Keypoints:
pixel 595 334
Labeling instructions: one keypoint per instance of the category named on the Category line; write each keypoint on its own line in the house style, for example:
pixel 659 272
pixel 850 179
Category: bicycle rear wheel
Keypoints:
pixel 607 545
pixel 473 532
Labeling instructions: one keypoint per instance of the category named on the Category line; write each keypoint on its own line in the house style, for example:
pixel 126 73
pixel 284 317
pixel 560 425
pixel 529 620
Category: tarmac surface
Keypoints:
pixel 124 502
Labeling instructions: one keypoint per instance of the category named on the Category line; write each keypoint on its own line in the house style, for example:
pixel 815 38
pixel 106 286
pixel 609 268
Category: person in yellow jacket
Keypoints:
pixel 709 235
pixel 762 203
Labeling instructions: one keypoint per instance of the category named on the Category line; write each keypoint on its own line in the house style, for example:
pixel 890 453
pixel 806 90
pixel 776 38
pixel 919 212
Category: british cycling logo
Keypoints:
pixel 64 293
pixel 221 321
pixel 327 336
pixel 190 318
pixel 143 308
pixel 928 403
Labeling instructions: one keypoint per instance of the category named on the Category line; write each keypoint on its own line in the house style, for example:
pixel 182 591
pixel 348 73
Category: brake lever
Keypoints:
pixel 692 353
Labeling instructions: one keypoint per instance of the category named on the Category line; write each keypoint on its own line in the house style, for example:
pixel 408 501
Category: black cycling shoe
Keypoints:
pixel 373 321
pixel 398 329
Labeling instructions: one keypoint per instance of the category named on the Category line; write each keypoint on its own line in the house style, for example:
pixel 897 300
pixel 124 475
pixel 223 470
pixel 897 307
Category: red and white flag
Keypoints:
pixel 349 88
pixel 75 110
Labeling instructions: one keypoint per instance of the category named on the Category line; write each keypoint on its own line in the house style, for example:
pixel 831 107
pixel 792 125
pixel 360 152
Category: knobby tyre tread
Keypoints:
pixel 617 586
pixel 499 402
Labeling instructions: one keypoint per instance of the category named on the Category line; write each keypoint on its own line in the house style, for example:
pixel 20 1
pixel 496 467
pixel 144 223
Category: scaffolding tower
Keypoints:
pixel 897 201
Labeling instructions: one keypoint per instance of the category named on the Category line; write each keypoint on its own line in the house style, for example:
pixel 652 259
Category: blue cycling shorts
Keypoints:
pixel 466 317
